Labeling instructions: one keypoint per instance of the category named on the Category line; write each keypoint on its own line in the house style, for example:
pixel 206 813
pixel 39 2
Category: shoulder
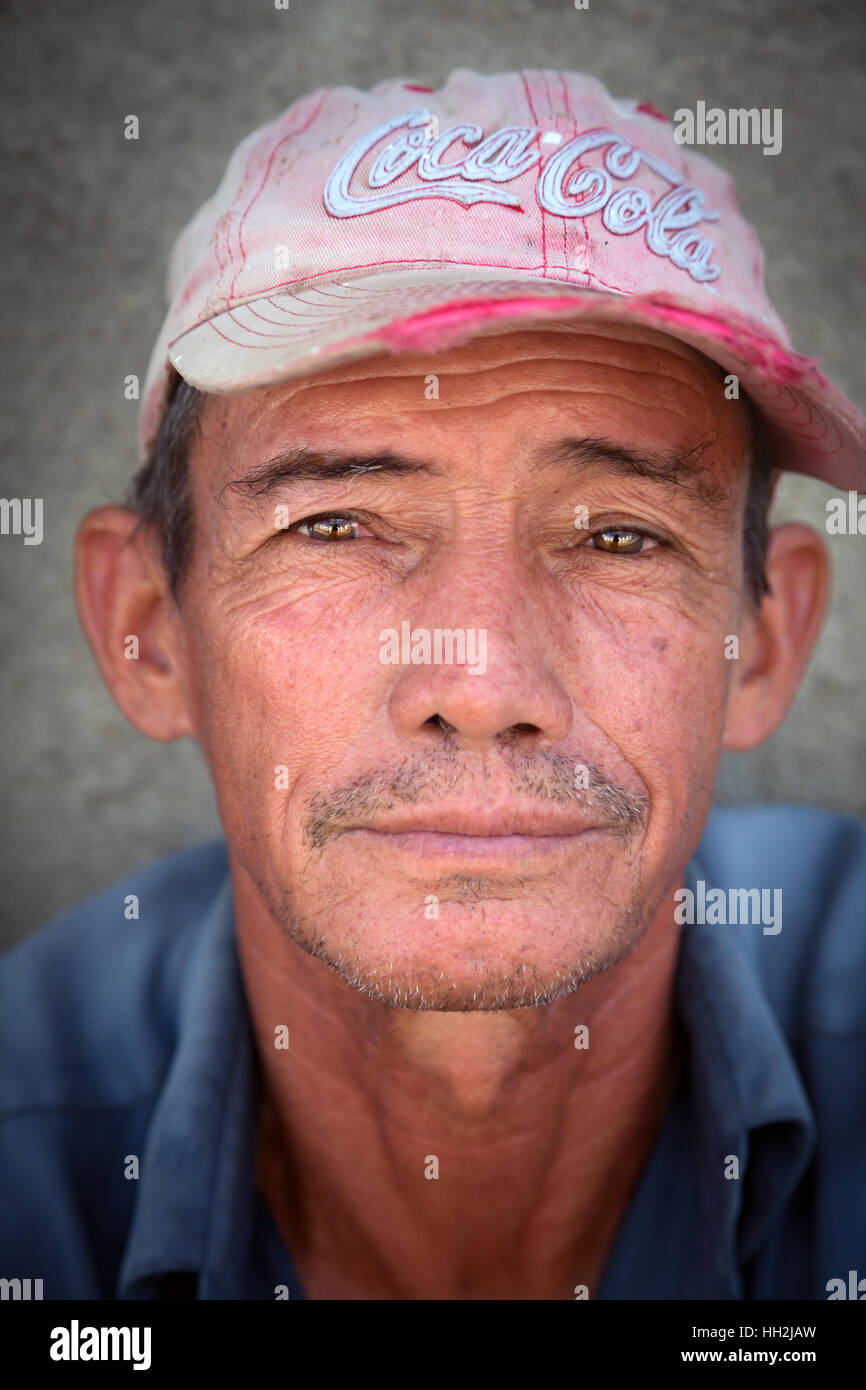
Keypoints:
pixel 93 1010
pixel 88 1003
pixel 814 968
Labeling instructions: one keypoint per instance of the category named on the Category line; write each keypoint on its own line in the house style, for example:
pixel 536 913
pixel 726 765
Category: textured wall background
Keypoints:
pixel 90 218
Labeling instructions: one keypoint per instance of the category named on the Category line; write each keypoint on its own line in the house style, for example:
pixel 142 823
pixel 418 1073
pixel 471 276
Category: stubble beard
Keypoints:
pixel 421 986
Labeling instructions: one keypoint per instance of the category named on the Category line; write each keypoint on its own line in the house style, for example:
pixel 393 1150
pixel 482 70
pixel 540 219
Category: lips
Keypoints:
pixel 487 822
pixel 502 850
pixel 505 838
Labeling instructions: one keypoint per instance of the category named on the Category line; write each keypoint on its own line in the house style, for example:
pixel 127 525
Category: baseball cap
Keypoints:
pixel 409 219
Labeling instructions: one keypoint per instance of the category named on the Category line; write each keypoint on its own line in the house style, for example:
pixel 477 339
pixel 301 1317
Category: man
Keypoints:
pixel 450 549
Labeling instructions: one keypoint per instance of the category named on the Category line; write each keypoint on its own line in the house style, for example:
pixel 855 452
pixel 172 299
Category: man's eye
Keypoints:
pixel 621 540
pixel 329 528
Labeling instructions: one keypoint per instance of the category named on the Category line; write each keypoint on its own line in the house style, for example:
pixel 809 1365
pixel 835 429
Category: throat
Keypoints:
pixel 362 1219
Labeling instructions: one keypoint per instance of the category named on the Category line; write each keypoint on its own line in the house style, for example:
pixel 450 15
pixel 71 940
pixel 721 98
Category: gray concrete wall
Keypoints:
pixel 90 218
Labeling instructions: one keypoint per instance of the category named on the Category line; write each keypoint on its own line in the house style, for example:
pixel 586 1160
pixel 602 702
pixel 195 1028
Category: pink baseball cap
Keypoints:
pixel 409 219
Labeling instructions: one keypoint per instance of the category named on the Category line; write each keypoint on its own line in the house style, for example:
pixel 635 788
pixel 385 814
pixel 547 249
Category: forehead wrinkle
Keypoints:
pixel 470 369
pixel 473 386
pixel 488 350
pixel 608 348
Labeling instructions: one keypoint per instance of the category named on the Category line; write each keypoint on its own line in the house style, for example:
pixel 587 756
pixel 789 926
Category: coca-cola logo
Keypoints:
pixel 669 223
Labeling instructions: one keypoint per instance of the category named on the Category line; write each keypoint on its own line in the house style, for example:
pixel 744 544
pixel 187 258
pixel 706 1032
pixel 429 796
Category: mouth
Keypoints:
pixel 494 850
pixel 483 834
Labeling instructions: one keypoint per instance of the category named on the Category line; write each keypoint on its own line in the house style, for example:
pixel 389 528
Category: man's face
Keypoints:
pixel 485 834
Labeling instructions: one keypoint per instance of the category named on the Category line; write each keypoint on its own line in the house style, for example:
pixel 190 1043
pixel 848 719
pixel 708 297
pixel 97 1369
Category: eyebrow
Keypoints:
pixel 317 465
pixel 682 468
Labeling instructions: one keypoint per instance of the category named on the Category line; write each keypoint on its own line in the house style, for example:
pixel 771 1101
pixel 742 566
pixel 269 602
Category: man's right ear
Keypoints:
pixel 131 621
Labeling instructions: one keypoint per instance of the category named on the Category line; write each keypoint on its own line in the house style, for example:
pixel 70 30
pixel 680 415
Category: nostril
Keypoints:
pixel 437 722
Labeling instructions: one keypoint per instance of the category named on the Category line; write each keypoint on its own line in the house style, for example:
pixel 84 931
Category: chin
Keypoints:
pixel 470 959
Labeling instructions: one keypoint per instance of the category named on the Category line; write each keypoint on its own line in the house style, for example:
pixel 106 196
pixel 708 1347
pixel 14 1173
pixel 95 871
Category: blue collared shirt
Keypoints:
pixel 127 1088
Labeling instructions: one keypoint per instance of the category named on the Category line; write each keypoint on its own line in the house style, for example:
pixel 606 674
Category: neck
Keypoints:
pixel 429 1154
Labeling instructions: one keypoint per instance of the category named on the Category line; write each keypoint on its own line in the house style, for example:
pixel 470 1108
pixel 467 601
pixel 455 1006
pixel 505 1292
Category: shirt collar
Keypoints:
pixel 737 1139
pixel 746 1089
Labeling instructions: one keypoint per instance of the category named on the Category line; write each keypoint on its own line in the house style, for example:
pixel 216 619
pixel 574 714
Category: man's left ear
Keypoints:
pixel 776 640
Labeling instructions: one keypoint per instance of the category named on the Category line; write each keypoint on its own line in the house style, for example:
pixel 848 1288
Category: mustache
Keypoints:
pixel 535 777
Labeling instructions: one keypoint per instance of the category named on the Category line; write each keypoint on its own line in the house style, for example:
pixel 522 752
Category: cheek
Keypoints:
pixel 280 686
pixel 656 680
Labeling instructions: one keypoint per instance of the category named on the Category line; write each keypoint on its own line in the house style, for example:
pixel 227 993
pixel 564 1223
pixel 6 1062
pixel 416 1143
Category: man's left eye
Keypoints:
pixel 329 528
pixel 621 540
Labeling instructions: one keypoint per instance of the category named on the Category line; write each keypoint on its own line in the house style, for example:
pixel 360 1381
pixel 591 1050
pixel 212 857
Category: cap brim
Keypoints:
pixel 279 336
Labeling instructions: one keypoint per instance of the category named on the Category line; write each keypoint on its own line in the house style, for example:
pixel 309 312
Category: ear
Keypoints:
pixel 132 622
pixel 776 641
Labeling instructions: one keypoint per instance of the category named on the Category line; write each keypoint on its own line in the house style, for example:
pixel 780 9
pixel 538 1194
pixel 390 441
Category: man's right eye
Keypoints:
pixel 622 540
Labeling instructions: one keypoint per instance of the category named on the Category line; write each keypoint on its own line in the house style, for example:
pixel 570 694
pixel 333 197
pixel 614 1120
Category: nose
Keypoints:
pixel 505 687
